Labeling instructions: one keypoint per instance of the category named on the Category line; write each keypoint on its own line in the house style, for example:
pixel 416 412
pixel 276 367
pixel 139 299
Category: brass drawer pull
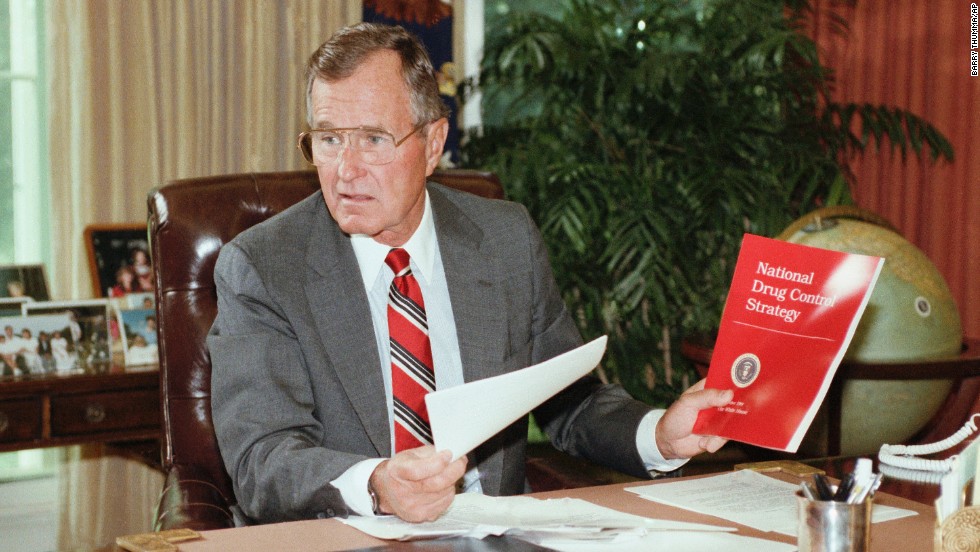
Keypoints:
pixel 4 422
pixel 94 413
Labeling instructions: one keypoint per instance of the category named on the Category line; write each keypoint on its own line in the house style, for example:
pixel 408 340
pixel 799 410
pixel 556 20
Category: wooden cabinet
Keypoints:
pixel 20 420
pixel 121 404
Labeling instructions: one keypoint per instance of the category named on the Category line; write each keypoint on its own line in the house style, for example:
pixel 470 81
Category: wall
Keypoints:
pixel 916 55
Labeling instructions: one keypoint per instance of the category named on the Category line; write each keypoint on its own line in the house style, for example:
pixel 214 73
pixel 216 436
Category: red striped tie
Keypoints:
pixel 411 355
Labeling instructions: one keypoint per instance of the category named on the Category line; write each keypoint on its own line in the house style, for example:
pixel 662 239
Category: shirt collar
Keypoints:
pixel 421 248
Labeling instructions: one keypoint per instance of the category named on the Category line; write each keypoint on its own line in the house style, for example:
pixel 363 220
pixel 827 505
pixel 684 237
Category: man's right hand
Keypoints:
pixel 418 484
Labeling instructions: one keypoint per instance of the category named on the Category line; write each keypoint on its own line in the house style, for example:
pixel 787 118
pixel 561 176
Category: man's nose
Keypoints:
pixel 349 164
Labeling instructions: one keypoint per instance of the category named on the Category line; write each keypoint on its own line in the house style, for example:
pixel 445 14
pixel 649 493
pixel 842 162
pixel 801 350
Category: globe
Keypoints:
pixel 911 315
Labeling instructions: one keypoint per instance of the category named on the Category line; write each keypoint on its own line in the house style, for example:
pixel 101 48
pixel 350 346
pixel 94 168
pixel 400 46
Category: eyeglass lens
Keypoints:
pixel 323 147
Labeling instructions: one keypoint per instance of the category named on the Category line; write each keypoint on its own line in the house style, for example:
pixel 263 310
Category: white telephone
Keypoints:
pixel 902 462
pixel 915 476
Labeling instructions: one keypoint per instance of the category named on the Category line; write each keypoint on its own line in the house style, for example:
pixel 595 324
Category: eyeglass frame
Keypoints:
pixel 347 144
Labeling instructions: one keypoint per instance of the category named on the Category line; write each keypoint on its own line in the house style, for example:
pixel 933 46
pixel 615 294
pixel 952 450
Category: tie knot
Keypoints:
pixel 397 260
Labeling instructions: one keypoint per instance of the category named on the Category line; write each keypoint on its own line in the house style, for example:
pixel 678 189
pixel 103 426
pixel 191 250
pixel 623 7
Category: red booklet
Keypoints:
pixel 790 314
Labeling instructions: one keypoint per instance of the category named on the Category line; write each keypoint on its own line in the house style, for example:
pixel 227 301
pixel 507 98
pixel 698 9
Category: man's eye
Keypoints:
pixel 376 139
pixel 329 138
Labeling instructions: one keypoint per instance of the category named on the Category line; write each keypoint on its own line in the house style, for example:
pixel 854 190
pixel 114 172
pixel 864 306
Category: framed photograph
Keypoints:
pixel 144 300
pixel 138 331
pixel 24 281
pixel 119 259
pixel 37 345
pixel 90 330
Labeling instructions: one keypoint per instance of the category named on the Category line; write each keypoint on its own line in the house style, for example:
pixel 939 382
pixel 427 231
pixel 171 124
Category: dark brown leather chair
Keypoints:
pixel 189 221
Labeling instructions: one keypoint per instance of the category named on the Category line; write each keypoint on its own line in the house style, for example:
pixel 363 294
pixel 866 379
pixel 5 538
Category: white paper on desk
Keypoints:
pixel 571 519
pixel 746 497
pixel 462 417
pixel 674 541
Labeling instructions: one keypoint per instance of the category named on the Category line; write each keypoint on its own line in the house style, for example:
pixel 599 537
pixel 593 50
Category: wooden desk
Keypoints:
pixel 119 404
pixel 910 534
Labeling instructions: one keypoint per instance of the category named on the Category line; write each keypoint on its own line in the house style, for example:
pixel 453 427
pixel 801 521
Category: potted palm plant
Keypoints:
pixel 646 137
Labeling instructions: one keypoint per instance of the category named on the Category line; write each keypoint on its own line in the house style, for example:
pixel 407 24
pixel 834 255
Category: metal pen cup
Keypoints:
pixel 833 526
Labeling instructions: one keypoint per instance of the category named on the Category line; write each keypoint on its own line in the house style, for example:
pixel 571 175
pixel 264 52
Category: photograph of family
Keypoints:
pixel 39 345
pixel 90 336
pixel 120 260
pixel 138 329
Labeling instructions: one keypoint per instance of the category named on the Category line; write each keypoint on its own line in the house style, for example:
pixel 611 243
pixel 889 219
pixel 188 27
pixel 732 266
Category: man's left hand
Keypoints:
pixel 674 431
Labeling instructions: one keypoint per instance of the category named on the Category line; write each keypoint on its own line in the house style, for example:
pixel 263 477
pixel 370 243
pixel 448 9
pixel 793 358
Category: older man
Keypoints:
pixel 338 315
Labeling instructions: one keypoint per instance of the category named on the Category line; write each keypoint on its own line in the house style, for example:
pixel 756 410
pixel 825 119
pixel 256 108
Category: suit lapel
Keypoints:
pixel 474 288
pixel 339 306
pixel 478 310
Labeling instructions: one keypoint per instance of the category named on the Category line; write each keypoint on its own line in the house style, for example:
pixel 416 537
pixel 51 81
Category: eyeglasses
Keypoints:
pixel 372 145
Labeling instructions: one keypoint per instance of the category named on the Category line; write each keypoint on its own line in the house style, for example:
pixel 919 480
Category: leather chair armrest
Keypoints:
pixel 190 501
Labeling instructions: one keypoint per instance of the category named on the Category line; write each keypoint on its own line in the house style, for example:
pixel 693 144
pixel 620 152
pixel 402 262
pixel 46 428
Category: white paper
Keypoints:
pixel 674 541
pixel 462 417
pixel 745 497
pixel 564 519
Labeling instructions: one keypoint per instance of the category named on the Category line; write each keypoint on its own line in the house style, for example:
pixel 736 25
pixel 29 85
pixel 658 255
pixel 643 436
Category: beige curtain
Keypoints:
pixel 104 496
pixel 141 92
pixel 144 91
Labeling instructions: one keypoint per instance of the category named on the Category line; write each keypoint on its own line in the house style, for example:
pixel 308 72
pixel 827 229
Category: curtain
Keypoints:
pixel 104 496
pixel 916 55
pixel 143 91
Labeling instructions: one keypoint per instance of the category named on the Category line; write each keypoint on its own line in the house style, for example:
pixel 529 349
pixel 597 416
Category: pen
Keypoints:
pixel 863 478
pixel 807 491
pixel 823 489
pixel 859 496
pixel 844 489
pixel 876 483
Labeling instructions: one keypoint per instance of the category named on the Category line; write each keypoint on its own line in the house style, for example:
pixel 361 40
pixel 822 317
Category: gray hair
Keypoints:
pixel 349 47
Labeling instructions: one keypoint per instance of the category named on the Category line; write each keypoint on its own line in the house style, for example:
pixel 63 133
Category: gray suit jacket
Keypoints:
pixel 297 392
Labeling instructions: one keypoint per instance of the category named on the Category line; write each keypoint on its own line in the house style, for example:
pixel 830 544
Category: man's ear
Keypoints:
pixel 435 141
